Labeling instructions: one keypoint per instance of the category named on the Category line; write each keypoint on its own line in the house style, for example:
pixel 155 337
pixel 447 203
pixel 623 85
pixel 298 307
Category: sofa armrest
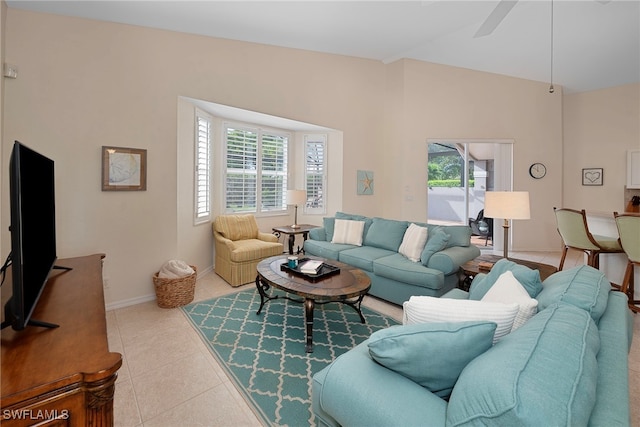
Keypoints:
pixel 612 393
pixel 318 234
pixel 267 237
pixel 456 293
pixel 355 390
pixel 450 260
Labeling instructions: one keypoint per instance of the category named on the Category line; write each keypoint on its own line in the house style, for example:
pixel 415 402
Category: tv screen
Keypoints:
pixel 33 232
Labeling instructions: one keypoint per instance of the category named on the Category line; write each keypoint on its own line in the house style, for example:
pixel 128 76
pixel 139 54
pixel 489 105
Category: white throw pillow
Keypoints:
pixel 508 290
pixel 348 232
pixel 413 242
pixel 421 309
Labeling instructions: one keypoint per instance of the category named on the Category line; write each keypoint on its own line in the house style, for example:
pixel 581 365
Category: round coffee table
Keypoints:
pixel 348 287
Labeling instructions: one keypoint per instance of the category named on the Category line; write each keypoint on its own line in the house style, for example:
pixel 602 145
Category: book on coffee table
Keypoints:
pixel 311 267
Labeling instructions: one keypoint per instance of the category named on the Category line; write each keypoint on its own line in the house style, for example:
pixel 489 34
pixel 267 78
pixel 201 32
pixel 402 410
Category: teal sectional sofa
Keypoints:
pixel 566 366
pixel 394 277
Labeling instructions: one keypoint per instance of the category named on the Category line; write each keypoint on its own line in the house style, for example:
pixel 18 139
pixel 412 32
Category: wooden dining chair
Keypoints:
pixel 573 228
pixel 629 230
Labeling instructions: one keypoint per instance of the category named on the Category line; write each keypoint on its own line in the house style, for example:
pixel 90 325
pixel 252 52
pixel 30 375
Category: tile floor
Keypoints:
pixel 169 378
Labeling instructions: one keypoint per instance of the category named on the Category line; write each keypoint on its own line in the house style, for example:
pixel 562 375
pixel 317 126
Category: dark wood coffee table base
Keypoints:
pixel 349 287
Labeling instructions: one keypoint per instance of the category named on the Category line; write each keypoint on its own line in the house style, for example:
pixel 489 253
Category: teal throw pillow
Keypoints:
pixel 436 241
pixel 528 278
pixel 431 354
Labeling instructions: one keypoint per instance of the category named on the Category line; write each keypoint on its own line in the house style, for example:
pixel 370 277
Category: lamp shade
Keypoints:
pixel 507 204
pixel 296 197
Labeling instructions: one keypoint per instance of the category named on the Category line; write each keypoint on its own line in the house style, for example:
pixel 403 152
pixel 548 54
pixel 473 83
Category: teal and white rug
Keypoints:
pixel 265 354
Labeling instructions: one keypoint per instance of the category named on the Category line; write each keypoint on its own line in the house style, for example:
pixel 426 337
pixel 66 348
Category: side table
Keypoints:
pixel 471 268
pixel 291 232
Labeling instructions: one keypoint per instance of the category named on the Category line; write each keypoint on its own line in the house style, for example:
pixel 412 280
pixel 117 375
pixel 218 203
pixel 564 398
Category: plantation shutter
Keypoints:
pixel 242 169
pixel 274 172
pixel 203 169
pixel 315 173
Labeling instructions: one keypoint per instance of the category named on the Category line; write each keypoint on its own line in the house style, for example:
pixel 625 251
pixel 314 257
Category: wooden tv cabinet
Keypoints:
pixel 64 376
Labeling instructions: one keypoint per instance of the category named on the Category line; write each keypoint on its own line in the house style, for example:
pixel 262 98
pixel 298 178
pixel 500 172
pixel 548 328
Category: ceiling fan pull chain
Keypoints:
pixel 551 89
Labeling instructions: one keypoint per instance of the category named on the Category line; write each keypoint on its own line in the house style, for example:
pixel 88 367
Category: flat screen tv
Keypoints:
pixel 33 233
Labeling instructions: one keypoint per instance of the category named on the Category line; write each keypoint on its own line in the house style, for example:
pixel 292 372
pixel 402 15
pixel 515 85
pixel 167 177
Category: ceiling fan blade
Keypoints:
pixel 495 18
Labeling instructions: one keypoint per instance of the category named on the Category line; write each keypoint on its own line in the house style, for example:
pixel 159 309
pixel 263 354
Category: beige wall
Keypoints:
pixel 84 84
pixel 442 102
pixel 599 127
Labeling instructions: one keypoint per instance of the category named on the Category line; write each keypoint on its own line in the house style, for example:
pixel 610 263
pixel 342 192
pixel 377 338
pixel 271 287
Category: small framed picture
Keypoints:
pixel 124 169
pixel 365 182
pixel 592 176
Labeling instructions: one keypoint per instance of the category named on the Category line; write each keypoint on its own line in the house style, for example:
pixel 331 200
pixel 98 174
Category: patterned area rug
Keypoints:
pixel 265 354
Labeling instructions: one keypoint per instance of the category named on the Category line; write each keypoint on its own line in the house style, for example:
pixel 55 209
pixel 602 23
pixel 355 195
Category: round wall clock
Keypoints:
pixel 537 170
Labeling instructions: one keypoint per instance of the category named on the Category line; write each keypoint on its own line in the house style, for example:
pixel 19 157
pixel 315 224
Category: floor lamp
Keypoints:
pixel 296 197
pixel 507 205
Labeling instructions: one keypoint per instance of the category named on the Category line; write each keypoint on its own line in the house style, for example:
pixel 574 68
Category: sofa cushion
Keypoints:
pixel 348 232
pixel 528 278
pixel 385 234
pixel 413 241
pixel 399 268
pixel 423 309
pixel 508 290
pixel 324 249
pixel 328 223
pixel 363 256
pixel 583 286
pixel 543 374
pixel 437 240
pixel 416 351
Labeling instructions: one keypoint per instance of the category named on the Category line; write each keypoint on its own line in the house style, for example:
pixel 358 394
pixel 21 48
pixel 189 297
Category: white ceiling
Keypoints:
pixel 596 42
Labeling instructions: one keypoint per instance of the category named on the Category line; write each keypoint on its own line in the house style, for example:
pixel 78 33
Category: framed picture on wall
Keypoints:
pixel 365 182
pixel 592 176
pixel 124 169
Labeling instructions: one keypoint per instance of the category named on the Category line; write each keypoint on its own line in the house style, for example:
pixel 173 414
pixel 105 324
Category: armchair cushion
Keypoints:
pixel 236 227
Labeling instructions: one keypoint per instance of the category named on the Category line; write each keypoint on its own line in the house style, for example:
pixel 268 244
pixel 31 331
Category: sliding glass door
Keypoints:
pixel 459 174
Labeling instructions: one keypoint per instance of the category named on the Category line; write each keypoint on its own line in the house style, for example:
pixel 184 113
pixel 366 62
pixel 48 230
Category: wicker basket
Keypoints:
pixel 171 293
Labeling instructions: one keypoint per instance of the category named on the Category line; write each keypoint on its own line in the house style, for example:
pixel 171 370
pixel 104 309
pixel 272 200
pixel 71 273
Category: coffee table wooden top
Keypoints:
pixel 473 267
pixel 351 282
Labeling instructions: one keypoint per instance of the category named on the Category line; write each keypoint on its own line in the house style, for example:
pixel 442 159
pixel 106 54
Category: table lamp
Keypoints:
pixel 296 197
pixel 507 205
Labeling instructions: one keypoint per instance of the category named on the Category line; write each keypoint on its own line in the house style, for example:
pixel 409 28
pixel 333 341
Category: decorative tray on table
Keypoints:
pixel 325 270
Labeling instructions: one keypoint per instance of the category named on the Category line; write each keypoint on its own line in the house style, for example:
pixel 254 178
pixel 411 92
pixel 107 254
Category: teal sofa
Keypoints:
pixel 566 366
pixel 394 277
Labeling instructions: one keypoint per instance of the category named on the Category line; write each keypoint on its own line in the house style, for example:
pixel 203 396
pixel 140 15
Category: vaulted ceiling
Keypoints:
pixel 596 43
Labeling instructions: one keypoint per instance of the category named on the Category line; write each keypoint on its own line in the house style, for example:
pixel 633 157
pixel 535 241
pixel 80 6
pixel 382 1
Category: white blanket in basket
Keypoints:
pixel 175 269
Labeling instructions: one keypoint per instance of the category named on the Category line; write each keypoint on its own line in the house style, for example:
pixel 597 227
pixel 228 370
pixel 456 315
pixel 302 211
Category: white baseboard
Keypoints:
pixel 146 298
pixel 129 302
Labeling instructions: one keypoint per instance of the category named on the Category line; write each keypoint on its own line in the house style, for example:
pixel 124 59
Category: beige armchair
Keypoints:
pixel 240 246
